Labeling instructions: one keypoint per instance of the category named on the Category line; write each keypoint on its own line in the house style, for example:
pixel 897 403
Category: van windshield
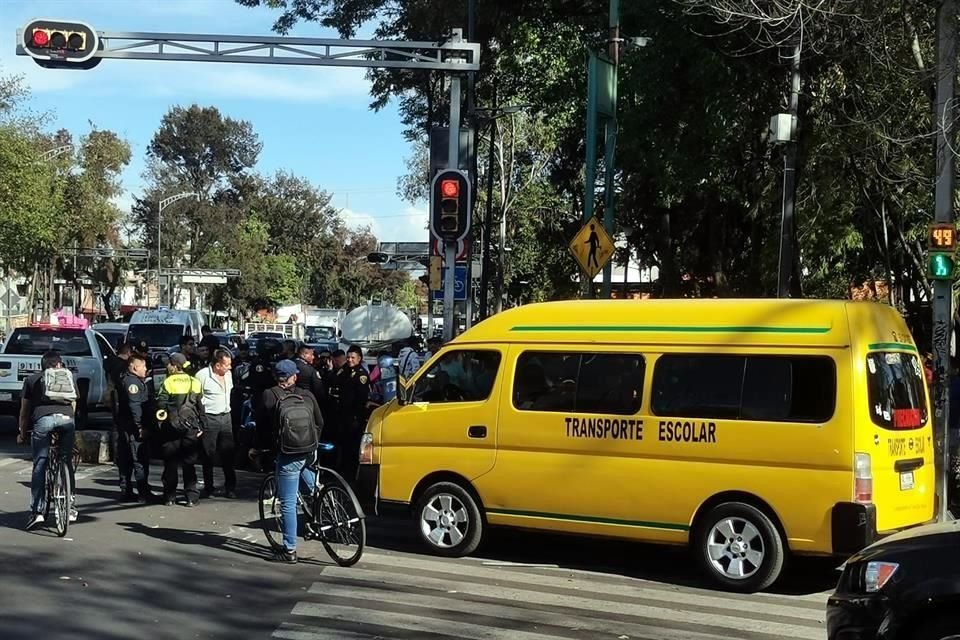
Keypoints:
pixel 156 335
pixel 895 387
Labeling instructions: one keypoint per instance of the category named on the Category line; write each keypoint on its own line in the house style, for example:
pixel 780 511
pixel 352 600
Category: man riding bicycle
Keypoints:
pixel 290 424
pixel 48 404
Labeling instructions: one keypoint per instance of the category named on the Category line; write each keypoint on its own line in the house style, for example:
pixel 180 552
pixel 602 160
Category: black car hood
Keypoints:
pixel 932 535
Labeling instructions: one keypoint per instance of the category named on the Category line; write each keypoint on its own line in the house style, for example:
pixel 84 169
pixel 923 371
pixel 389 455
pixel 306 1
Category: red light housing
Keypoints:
pixel 450 188
pixel 40 38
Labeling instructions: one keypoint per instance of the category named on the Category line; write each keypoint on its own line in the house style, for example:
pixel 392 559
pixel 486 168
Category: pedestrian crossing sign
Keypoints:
pixel 592 247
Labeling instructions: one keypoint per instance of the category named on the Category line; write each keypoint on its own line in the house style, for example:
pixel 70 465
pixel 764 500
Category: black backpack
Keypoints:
pixel 296 431
pixel 186 419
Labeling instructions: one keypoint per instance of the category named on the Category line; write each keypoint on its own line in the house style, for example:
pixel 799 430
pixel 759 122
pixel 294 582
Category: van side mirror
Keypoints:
pixel 404 393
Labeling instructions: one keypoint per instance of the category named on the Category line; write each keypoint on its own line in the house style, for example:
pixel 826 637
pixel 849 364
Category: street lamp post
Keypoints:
pixel 160 207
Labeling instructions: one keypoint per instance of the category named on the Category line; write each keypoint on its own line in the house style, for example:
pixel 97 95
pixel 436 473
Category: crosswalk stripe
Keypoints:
pixel 7 461
pixel 419 622
pixel 288 631
pixel 557 616
pixel 633 589
pixel 729 618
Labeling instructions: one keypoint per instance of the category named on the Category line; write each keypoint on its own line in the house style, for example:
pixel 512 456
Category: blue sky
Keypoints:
pixel 313 121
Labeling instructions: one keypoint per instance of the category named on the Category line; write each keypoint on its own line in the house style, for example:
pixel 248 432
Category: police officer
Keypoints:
pixel 180 412
pixel 308 378
pixel 135 413
pixel 354 382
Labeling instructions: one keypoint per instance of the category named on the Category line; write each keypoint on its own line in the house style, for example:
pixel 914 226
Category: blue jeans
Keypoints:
pixel 40 442
pixel 292 470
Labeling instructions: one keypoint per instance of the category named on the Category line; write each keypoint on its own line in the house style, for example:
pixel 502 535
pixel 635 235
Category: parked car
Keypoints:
pixel 85 352
pixel 905 587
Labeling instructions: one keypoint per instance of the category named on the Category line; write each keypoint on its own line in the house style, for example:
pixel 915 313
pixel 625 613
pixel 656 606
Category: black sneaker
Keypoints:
pixel 190 503
pixel 37 519
pixel 128 496
pixel 230 494
pixel 284 557
pixel 169 502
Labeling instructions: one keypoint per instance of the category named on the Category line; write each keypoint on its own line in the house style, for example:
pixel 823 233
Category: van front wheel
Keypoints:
pixel 739 547
pixel 449 520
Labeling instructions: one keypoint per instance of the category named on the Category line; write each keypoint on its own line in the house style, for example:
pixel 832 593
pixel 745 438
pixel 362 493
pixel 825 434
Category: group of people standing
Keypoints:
pixel 196 415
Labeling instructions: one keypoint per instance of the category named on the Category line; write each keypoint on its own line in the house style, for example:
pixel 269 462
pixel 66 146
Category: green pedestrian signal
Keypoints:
pixel 942 266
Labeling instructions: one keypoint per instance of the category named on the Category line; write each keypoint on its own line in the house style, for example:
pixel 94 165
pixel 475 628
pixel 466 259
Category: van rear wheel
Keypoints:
pixel 449 520
pixel 739 547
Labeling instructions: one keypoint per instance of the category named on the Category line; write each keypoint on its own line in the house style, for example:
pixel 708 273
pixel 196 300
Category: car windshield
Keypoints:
pixel 156 335
pixel 114 337
pixel 896 390
pixel 35 341
pixel 320 334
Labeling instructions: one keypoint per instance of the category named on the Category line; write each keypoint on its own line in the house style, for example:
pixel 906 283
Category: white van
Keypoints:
pixel 163 328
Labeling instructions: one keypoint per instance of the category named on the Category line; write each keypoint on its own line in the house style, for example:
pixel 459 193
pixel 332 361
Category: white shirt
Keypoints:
pixel 216 391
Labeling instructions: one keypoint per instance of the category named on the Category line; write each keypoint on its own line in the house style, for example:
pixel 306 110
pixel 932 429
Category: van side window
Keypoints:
pixel 698 386
pixel 602 383
pixel 789 389
pixel 762 388
pixel 459 376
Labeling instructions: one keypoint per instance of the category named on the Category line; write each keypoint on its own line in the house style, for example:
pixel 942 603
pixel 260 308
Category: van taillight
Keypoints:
pixel 366 449
pixel 862 478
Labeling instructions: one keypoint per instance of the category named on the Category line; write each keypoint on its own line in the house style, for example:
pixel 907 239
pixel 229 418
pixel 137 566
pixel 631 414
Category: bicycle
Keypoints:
pixel 58 486
pixel 333 514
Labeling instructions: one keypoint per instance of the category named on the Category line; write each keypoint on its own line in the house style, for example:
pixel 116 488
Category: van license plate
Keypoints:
pixel 906 481
pixel 6 397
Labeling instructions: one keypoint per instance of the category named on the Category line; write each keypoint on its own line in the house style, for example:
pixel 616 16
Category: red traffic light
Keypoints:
pixel 40 38
pixel 450 188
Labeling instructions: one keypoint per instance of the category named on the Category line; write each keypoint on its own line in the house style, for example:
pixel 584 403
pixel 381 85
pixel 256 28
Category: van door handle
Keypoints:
pixel 477 431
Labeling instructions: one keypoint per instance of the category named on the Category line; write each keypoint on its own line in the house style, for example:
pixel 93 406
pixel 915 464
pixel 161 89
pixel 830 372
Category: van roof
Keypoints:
pixel 814 323
pixel 162 316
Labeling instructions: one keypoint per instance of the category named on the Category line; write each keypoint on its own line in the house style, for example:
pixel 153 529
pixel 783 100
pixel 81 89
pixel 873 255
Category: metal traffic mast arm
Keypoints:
pixel 451 55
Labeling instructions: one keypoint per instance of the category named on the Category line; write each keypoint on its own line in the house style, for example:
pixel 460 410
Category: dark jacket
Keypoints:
pixel 267 427
pixel 309 379
pixel 354 393
pixel 135 405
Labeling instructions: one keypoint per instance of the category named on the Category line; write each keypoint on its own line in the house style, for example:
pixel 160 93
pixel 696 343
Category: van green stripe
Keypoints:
pixel 667 329
pixel 571 518
pixel 885 346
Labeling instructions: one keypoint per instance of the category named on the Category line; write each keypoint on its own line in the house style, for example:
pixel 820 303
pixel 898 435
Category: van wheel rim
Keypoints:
pixel 735 548
pixel 444 521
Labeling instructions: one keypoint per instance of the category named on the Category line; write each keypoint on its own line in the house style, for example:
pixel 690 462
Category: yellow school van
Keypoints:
pixel 747 429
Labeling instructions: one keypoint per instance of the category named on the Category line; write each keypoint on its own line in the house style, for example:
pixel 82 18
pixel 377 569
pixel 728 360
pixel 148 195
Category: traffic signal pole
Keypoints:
pixel 450 248
pixel 943 213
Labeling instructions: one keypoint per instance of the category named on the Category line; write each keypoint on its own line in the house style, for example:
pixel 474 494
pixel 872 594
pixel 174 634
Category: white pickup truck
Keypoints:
pixel 84 351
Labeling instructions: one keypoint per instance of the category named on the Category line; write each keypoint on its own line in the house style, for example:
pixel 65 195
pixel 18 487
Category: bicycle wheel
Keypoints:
pixel 76 458
pixel 61 497
pixel 343 531
pixel 270 517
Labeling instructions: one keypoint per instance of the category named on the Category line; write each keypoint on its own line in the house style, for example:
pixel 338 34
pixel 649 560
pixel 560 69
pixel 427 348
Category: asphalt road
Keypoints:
pixel 128 571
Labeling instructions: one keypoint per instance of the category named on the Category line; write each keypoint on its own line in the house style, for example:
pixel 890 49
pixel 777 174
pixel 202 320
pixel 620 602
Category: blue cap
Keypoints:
pixel 284 369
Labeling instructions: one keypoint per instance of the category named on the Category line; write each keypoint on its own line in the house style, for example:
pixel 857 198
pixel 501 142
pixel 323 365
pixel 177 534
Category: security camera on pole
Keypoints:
pixel 450 204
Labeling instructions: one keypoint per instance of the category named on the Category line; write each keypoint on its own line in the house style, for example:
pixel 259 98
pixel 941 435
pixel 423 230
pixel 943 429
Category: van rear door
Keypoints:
pixel 898 439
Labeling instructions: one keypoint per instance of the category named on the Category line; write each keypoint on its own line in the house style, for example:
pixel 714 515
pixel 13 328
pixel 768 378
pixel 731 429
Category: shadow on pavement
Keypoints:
pixel 122 594
pixel 658 563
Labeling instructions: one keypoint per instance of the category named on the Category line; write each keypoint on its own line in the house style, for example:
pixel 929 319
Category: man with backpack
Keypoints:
pixel 289 424
pixel 180 416
pixel 48 403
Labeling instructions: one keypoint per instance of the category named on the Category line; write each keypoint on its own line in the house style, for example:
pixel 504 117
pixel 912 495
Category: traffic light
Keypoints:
pixel 942 266
pixel 450 205
pixel 942 242
pixel 61 44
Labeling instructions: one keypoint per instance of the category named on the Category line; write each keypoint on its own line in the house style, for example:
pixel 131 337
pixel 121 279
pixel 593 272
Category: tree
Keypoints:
pixel 196 149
